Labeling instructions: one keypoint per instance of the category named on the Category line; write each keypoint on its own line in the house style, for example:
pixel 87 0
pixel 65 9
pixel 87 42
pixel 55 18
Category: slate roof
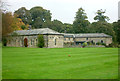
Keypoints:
pixel 52 32
pixel 90 35
pixel 36 31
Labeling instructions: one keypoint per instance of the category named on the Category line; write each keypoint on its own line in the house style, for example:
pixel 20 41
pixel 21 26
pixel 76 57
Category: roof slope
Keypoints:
pixel 82 35
pixel 50 31
pixel 36 31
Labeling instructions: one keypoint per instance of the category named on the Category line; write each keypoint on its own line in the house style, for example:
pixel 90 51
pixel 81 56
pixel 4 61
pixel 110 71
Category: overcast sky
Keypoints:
pixel 65 10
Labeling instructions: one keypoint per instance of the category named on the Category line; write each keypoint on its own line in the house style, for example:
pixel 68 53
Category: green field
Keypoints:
pixel 54 63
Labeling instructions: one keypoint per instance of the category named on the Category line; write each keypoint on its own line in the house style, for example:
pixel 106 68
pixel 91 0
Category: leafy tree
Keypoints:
pixel 39 16
pixel 100 16
pixel 80 23
pixel 23 27
pixel 57 25
pixel 67 28
pixel 24 14
pixel 116 27
pixel 40 41
pixel 48 24
pixel 102 27
pixel 7 21
pixel 17 23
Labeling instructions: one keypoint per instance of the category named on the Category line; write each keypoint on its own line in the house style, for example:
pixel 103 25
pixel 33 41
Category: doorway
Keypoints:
pixel 26 42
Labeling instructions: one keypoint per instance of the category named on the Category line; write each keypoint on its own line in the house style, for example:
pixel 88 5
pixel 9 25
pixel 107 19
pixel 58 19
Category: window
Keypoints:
pixel 86 38
pixel 55 41
pixel 31 42
pixel 101 41
pixel 92 41
pixel 36 40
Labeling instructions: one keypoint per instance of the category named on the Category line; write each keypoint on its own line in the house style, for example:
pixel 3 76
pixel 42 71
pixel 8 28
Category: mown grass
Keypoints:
pixel 54 63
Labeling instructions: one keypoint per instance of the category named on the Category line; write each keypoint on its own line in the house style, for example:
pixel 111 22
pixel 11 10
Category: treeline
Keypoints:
pixel 38 17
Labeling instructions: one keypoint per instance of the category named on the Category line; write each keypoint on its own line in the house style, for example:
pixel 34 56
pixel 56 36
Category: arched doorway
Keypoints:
pixel 25 42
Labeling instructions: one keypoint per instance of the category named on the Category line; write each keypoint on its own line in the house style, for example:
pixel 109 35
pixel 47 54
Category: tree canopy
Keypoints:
pixel 38 17
pixel 80 23
pixel 100 16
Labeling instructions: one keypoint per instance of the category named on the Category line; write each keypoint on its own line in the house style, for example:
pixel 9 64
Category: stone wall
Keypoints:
pixel 55 41
pixel 51 41
pixel 66 40
pixel 18 41
pixel 107 41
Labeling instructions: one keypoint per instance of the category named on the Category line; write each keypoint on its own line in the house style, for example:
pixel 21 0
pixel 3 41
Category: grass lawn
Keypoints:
pixel 54 63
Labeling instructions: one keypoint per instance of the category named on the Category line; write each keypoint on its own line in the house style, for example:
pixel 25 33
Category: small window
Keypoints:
pixel 92 41
pixel 31 42
pixel 86 38
pixel 101 41
pixel 55 41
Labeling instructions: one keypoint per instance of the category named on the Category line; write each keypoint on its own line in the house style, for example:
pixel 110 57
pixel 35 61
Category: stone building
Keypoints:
pixel 87 37
pixel 54 39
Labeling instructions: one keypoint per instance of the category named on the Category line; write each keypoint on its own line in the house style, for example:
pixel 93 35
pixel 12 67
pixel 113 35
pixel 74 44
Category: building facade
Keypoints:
pixel 53 39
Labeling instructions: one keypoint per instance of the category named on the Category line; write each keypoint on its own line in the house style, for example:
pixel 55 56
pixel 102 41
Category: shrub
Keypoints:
pixel 113 45
pixel 104 44
pixel 40 41
pixel 89 43
pixel 4 41
pixel 98 43
pixel 118 46
pixel 84 44
pixel 23 27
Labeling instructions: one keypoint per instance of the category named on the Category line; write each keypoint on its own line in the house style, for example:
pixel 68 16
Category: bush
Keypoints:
pixel 40 41
pixel 98 43
pixel 90 43
pixel 4 41
pixel 118 46
pixel 113 45
pixel 84 44
pixel 23 27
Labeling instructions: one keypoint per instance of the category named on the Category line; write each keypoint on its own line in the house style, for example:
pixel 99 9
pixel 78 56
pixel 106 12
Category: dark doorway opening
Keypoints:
pixel 25 42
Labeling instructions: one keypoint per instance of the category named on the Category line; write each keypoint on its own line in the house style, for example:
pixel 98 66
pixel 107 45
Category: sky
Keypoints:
pixel 65 10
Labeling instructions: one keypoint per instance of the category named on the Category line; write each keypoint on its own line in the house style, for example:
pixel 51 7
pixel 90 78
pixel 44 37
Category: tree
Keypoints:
pixel 80 23
pixel 40 41
pixel 67 28
pixel 23 27
pixel 102 27
pixel 7 21
pixel 24 14
pixel 39 16
pixel 100 16
pixel 18 23
pixel 116 27
pixel 57 25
